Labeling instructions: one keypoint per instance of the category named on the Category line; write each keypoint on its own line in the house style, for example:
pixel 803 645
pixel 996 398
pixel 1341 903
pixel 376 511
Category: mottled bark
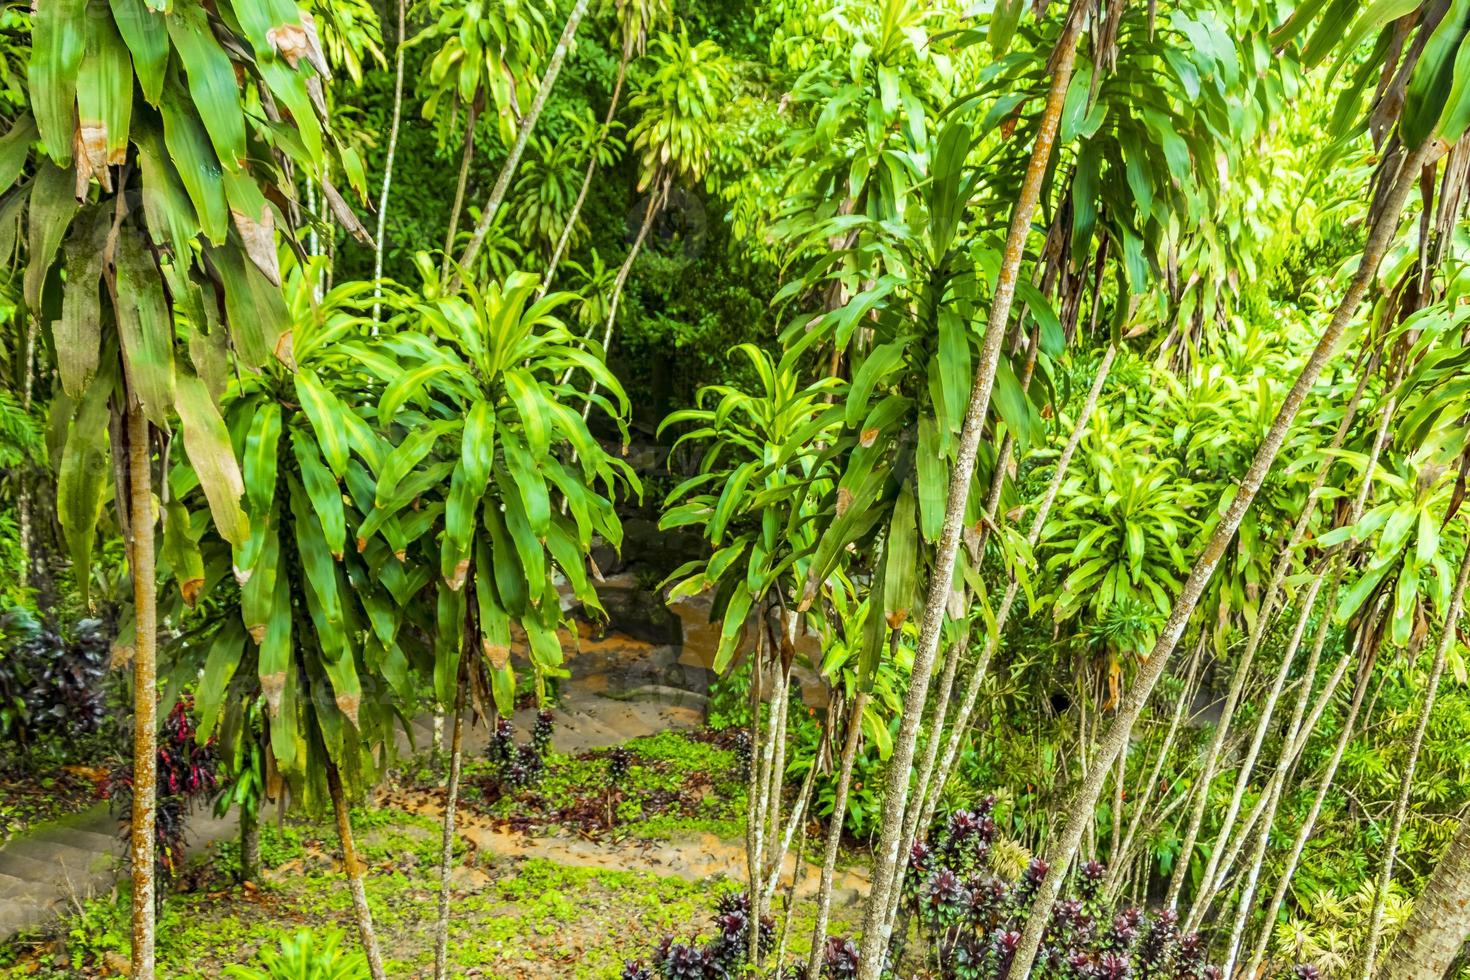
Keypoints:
pixel 896 790
pixel 142 566
pixel 353 869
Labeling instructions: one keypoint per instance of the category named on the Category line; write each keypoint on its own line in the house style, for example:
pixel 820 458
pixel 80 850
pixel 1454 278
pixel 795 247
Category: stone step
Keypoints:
pixel 65 860
pixel 11 885
pixel 26 914
pixel 92 840
pixel 40 873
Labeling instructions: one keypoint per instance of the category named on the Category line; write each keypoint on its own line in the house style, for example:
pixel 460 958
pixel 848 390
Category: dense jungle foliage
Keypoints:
pixel 1057 411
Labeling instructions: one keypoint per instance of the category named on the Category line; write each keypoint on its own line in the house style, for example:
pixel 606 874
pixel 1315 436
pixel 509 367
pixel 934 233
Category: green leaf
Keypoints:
pixel 325 412
pixel 260 456
pixel 15 149
pixel 147 38
pixel 83 477
pixel 181 552
pixel 901 561
pixel 323 491
pixel 207 443
pixel 219 668
pixel 53 206
pixel 59 30
pixel 77 335
pixel 260 324
pixel 197 165
pixel 145 328
pixel 104 100
pixel 212 83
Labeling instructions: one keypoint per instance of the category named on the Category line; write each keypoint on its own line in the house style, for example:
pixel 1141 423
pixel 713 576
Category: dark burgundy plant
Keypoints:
pixel 186 777
pixel 502 748
pixel 619 764
pixel 542 731
pixel 839 959
pixel 724 955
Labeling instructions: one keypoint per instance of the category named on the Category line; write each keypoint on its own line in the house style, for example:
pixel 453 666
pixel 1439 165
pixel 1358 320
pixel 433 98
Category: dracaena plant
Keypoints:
pixel 304 618
pixel 525 485
pixel 512 487
pixel 160 154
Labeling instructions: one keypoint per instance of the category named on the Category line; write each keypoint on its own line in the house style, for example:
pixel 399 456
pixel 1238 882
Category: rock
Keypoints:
pixel 664 694
pixel 633 608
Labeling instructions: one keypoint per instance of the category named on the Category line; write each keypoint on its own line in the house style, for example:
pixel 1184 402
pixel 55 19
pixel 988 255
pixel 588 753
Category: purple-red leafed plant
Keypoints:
pixel 186 777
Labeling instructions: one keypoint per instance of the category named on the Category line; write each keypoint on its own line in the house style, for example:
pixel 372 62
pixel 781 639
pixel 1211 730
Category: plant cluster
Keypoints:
pixel 519 766
pixel 50 684
pixel 187 777
pixel 726 954
pixel 971 917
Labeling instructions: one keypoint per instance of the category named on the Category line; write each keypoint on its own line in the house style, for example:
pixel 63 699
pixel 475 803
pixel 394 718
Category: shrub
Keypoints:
pixel 305 956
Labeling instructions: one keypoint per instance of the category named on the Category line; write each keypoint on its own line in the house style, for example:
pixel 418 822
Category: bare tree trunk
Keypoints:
pixel 1145 790
pixel 564 240
pixel 1406 784
pixel 895 799
pixel 1253 644
pixel 1079 814
pixel 914 823
pixel 528 123
pixel 1216 871
pixel 1247 766
pixel 380 242
pixel 446 854
pixel 1440 923
pixel 655 205
pixel 1309 823
pixel 141 563
pixel 249 842
pixel 834 833
pixel 1253 876
pixel 1038 524
pixel 353 869
pixel 466 157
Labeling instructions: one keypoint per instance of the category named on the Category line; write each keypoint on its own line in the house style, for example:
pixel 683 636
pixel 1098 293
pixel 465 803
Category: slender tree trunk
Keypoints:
pixel 1038 524
pixel 1145 790
pixel 352 867
pixel 466 157
pixel 1406 784
pixel 1253 876
pixel 793 826
pixel 913 822
pixel 249 842
pixel 446 854
pixel 834 833
pixel 1079 814
pixel 753 773
pixel 1247 766
pixel 1253 644
pixel 141 563
pixel 528 123
pixel 1217 871
pixel 380 243
pixel 565 238
pixel 1438 927
pixel 1309 823
pixel 895 799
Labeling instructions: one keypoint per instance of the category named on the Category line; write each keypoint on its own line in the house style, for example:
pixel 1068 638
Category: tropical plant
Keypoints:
pixel 133 103
pixel 490 426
